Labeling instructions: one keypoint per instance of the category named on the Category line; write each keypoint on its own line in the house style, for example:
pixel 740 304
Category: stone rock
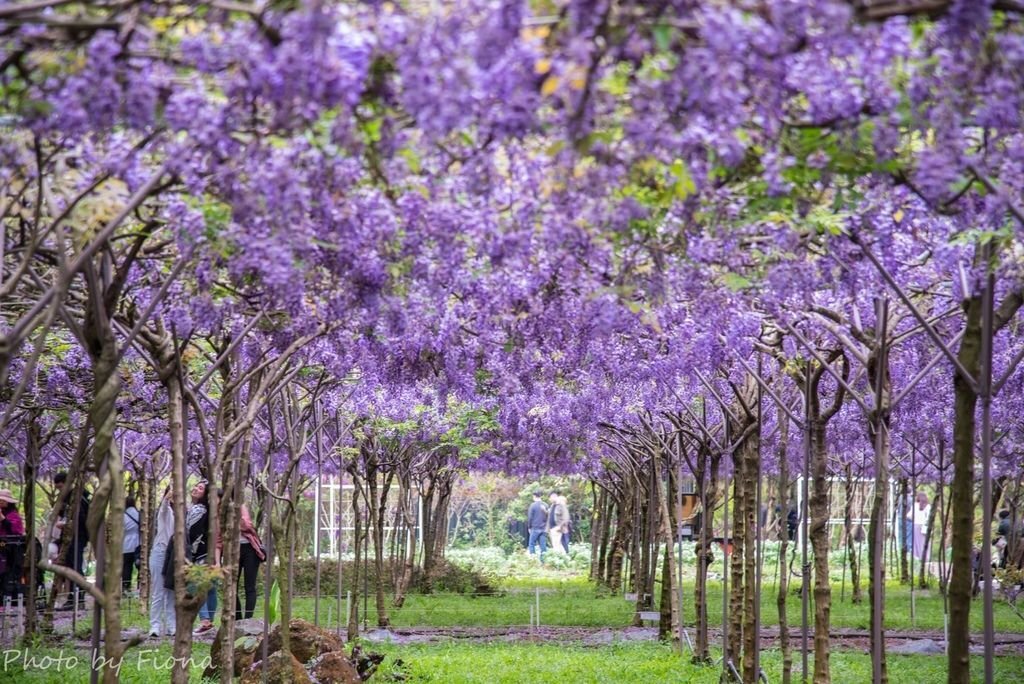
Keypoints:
pixel 639 634
pixel 603 638
pixel 246 644
pixel 250 627
pixel 380 635
pixel 335 668
pixel 917 647
pixel 307 640
pixel 281 669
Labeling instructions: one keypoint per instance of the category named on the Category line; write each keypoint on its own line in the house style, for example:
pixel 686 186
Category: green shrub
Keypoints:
pixel 495 562
pixel 446 577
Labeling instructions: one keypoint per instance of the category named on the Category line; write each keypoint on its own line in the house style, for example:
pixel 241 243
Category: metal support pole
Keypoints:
pixel 985 385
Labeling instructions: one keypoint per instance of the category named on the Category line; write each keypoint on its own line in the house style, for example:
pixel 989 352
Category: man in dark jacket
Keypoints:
pixel 74 540
pixel 537 520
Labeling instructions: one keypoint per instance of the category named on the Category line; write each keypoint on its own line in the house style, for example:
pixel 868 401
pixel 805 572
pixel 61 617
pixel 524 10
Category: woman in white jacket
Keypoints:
pixel 161 600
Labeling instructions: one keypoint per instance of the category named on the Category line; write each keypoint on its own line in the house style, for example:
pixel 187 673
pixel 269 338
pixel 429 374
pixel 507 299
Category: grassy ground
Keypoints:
pixel 459 663
pixel 640 663
pixel 142 665
pixel 576 602
pixel 565 601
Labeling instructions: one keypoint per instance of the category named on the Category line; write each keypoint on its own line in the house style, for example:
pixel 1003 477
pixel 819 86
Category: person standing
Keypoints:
pixel 537 522
pixel 197 527
pixel 919 519
pixel 567 525
pixel 558 518
pixel 12 560
pixel 11 524
pixel 161 599
pixel 130 544
pixel 250 556
pixel 73 541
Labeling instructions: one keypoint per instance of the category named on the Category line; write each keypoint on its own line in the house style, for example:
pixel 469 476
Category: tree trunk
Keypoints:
pixel 965 400
pixel 623 531
pixel 607 511
pixel 409 557
pixel 736 607
pixel 108 499
pixel 596 517
pixel 879 436
pixel 378 512
pixel 33 456
pixel 146 488
pixel 905 540
pixel 357 534
pixel 750 453
pixel 669 622
pixel 784 504
pixel 708 498
pixel 235 472
pixel 185 606
pixel 922 570
pixel 820 542
pixel 851 546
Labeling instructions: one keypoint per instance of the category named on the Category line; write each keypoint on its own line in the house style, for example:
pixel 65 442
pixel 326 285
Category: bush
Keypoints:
pixel 493 561
pixel 453 578
pixel 446 577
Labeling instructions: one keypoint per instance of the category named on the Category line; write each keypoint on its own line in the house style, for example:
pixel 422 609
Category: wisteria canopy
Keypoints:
pixel 502 232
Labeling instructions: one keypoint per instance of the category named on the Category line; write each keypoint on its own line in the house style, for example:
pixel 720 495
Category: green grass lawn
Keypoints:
pixel 640 663
pixel 576 602
pixel 142 665
pixel 458 663
pixel 564 602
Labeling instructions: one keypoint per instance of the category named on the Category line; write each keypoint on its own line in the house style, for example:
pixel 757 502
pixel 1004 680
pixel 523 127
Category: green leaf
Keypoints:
pixel 734 281
pixel 275 603
pixel 684 185
pixel 663 37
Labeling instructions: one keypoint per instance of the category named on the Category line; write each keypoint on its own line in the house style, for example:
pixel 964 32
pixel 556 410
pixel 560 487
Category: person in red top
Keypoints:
pixel 11 523
pixel 250 555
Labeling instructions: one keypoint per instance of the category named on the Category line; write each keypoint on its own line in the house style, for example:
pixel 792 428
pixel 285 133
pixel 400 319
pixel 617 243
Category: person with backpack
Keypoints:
pixel 130 543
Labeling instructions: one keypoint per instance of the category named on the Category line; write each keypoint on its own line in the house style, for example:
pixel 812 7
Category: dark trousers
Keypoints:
pixel 248 568
pixel 127 568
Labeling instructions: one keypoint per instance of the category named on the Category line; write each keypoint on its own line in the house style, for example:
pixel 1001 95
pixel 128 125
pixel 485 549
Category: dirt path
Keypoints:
pixel 928 642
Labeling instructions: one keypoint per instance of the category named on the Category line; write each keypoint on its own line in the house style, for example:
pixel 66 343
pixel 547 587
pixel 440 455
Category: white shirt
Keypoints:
pixel 131 530
pixel 921 515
